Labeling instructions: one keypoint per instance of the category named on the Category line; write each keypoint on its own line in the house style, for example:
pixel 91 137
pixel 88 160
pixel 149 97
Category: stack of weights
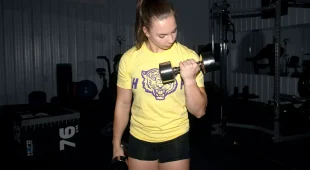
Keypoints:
pixel 119 162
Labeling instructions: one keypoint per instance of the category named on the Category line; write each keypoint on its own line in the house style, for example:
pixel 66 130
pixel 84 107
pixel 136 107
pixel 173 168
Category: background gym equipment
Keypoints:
pixel 293 63
pixel 113 77
pixel 204 124
pixel 37 100
pixel 267 52
pixel 105 93
pixel 220 24
pixel 70 93
pixel 48 133
pixel 64 83
pixel 276 9
pixel 167 72
pixel 85 90
pixel 208 48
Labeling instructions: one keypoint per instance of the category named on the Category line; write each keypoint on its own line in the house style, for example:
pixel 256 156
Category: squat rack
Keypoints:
pixel 221 10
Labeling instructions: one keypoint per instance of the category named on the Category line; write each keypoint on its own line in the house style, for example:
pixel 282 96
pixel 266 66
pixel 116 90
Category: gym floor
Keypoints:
pixel 250 150
pixel 238 149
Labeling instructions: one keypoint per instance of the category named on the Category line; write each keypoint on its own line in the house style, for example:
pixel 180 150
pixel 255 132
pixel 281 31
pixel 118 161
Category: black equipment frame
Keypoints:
pixel 218 10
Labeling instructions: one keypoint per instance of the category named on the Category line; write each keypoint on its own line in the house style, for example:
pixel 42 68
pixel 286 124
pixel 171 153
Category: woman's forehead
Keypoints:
pixel 164 26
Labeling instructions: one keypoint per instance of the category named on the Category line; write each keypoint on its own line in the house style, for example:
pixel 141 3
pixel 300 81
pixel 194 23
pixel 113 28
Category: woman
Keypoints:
pixel 159 121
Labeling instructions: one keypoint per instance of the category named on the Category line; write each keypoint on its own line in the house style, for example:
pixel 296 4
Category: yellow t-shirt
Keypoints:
pixel 158 111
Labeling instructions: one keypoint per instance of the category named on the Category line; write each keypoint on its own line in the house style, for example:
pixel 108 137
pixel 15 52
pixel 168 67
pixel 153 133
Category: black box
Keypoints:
pixel 52 135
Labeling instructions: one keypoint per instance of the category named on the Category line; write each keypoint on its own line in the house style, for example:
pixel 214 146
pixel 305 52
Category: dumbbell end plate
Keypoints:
pixel 208 62
pixel 166 72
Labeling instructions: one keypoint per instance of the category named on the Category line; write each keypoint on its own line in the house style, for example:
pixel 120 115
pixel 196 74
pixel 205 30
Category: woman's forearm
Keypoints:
pixel 196 100
pixel 121 118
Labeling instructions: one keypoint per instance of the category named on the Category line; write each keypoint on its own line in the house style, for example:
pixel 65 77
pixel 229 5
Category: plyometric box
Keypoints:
pixel 42 136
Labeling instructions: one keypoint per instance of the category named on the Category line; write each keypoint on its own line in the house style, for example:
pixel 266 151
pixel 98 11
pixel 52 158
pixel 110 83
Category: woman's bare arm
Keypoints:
pixel 196 99
pixel 121 114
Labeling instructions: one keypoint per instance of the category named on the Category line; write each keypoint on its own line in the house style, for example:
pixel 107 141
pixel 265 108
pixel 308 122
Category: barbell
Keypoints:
pixel 168 73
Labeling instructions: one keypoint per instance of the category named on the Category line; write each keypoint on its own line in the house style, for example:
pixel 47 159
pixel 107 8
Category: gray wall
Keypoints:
pixel 38 34
pixel 35 35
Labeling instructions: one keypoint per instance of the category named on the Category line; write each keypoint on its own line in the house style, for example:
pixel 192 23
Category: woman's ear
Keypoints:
pixel 146 32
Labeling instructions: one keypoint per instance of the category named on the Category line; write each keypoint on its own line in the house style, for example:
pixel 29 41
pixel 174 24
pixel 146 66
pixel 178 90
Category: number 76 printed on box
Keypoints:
pixel 65 134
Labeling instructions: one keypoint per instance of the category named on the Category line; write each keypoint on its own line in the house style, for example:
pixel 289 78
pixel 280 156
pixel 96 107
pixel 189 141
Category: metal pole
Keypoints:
pixel 212 39
pixel 277 74
pixel 247 15
pixel 251 10
pixel 222 68
pixel 212 31
pixel 300 2
pixel 222 71
pixel 219 9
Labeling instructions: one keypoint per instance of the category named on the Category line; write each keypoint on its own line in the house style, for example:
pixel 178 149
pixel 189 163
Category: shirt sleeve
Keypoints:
pixel 124 74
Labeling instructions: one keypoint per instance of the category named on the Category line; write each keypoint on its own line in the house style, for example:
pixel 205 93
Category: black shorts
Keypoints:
pixel 172 150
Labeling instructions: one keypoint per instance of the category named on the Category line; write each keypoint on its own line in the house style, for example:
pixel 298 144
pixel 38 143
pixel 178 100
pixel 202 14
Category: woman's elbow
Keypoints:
pixel 200 114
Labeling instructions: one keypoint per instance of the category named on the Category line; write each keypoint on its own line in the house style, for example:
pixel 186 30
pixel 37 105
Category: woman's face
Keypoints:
pixel 162 33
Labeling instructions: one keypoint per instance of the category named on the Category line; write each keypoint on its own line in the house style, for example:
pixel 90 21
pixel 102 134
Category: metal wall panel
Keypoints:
pixel 262 85
pixel 29 60
pixel 249 43
pixel 3 97
pixel 9 55
pixel 38 34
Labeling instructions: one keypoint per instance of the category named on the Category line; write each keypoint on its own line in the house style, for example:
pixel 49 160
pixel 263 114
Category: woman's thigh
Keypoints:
pixel 135 164
pixel 174 150
pixel 142 155
pixel 175 154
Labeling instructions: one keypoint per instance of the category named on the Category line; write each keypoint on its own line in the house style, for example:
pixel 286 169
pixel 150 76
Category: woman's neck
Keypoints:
pixel 153 47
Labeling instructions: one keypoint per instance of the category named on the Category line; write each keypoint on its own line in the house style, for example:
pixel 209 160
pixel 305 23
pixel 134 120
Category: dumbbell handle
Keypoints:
pixel 119 158
pixel 176 70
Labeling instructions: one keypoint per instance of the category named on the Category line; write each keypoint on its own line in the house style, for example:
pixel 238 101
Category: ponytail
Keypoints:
pixel 139 4
pixel 139 34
